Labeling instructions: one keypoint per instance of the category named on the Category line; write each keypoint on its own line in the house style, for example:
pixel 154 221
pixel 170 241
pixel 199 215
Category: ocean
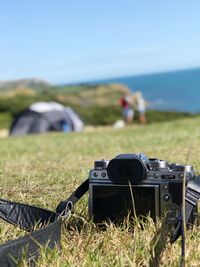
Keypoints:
pixel 177 90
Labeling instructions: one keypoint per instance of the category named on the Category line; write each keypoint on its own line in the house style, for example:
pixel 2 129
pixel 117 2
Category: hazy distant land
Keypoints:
pixel 96 103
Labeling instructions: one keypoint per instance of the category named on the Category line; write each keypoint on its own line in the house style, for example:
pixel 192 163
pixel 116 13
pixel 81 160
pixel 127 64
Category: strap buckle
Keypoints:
pixel 68 210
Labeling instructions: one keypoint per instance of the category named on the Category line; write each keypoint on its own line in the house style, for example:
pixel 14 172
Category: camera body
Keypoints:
pixel 133 183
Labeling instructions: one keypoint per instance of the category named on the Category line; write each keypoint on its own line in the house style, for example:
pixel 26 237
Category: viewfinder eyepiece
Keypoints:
pixel 127 167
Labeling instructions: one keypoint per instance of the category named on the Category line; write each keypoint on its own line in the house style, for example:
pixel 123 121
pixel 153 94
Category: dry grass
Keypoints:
pixel 43 170
pixel 3 133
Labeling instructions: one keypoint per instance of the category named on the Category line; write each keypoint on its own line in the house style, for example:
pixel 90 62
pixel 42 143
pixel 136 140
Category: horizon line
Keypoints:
pixel 99 80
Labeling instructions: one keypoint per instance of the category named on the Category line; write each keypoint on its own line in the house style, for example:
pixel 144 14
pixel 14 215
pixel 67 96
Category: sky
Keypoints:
pixel 68 41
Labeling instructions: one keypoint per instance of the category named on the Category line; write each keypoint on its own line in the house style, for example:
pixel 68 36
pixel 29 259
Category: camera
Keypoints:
pixel 133 184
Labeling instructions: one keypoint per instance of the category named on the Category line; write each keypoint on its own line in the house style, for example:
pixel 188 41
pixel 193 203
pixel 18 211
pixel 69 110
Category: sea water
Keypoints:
pixel 177 90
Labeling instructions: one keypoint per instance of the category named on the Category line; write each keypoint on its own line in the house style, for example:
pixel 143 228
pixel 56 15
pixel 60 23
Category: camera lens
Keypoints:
pixel 123 170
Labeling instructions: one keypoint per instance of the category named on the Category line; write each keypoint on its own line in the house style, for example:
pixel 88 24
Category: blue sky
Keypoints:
pixel 73 41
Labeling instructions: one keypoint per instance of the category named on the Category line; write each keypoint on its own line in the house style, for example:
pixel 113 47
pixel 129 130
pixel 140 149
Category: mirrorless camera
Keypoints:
pixel 134 183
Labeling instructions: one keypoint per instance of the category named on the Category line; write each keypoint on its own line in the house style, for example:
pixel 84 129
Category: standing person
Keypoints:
pixel 141 107
pixel 127 110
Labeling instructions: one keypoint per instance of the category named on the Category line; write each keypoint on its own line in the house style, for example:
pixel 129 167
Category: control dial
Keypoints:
pixel 100 164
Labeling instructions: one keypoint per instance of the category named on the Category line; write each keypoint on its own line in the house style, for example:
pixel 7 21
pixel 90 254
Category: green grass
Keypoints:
pixel 5 120
pixel 44 170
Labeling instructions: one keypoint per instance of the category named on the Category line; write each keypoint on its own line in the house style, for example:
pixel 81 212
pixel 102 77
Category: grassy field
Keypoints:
pixel 44 169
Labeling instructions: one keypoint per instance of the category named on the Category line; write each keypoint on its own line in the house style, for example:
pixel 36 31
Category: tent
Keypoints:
pixel 43 117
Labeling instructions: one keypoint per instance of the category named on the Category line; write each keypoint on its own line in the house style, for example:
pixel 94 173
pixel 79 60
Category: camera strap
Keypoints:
pixel 192 198
pixel 44 227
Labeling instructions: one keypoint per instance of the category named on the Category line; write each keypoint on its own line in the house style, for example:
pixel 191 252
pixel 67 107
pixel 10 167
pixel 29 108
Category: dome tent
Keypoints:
pixel 41 117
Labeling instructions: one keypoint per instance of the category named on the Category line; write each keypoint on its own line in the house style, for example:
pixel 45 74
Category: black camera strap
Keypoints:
pixel 67 204
pixel 192 198
pixel 44 227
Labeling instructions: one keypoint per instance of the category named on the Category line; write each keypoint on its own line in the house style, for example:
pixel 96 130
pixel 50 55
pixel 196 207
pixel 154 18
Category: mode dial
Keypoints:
pixel 100 164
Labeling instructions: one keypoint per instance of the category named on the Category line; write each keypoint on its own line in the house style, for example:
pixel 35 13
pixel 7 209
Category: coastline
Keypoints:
pixel 96 103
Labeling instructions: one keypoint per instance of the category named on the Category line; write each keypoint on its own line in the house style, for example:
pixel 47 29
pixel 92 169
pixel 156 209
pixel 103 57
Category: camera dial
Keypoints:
pixel 156 164
pixel 100 164
pixel 181 168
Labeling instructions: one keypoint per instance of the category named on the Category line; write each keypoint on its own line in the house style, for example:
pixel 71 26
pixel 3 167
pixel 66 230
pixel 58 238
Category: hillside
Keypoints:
pixel 33 83
pixel 97 104
pixel 43 170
